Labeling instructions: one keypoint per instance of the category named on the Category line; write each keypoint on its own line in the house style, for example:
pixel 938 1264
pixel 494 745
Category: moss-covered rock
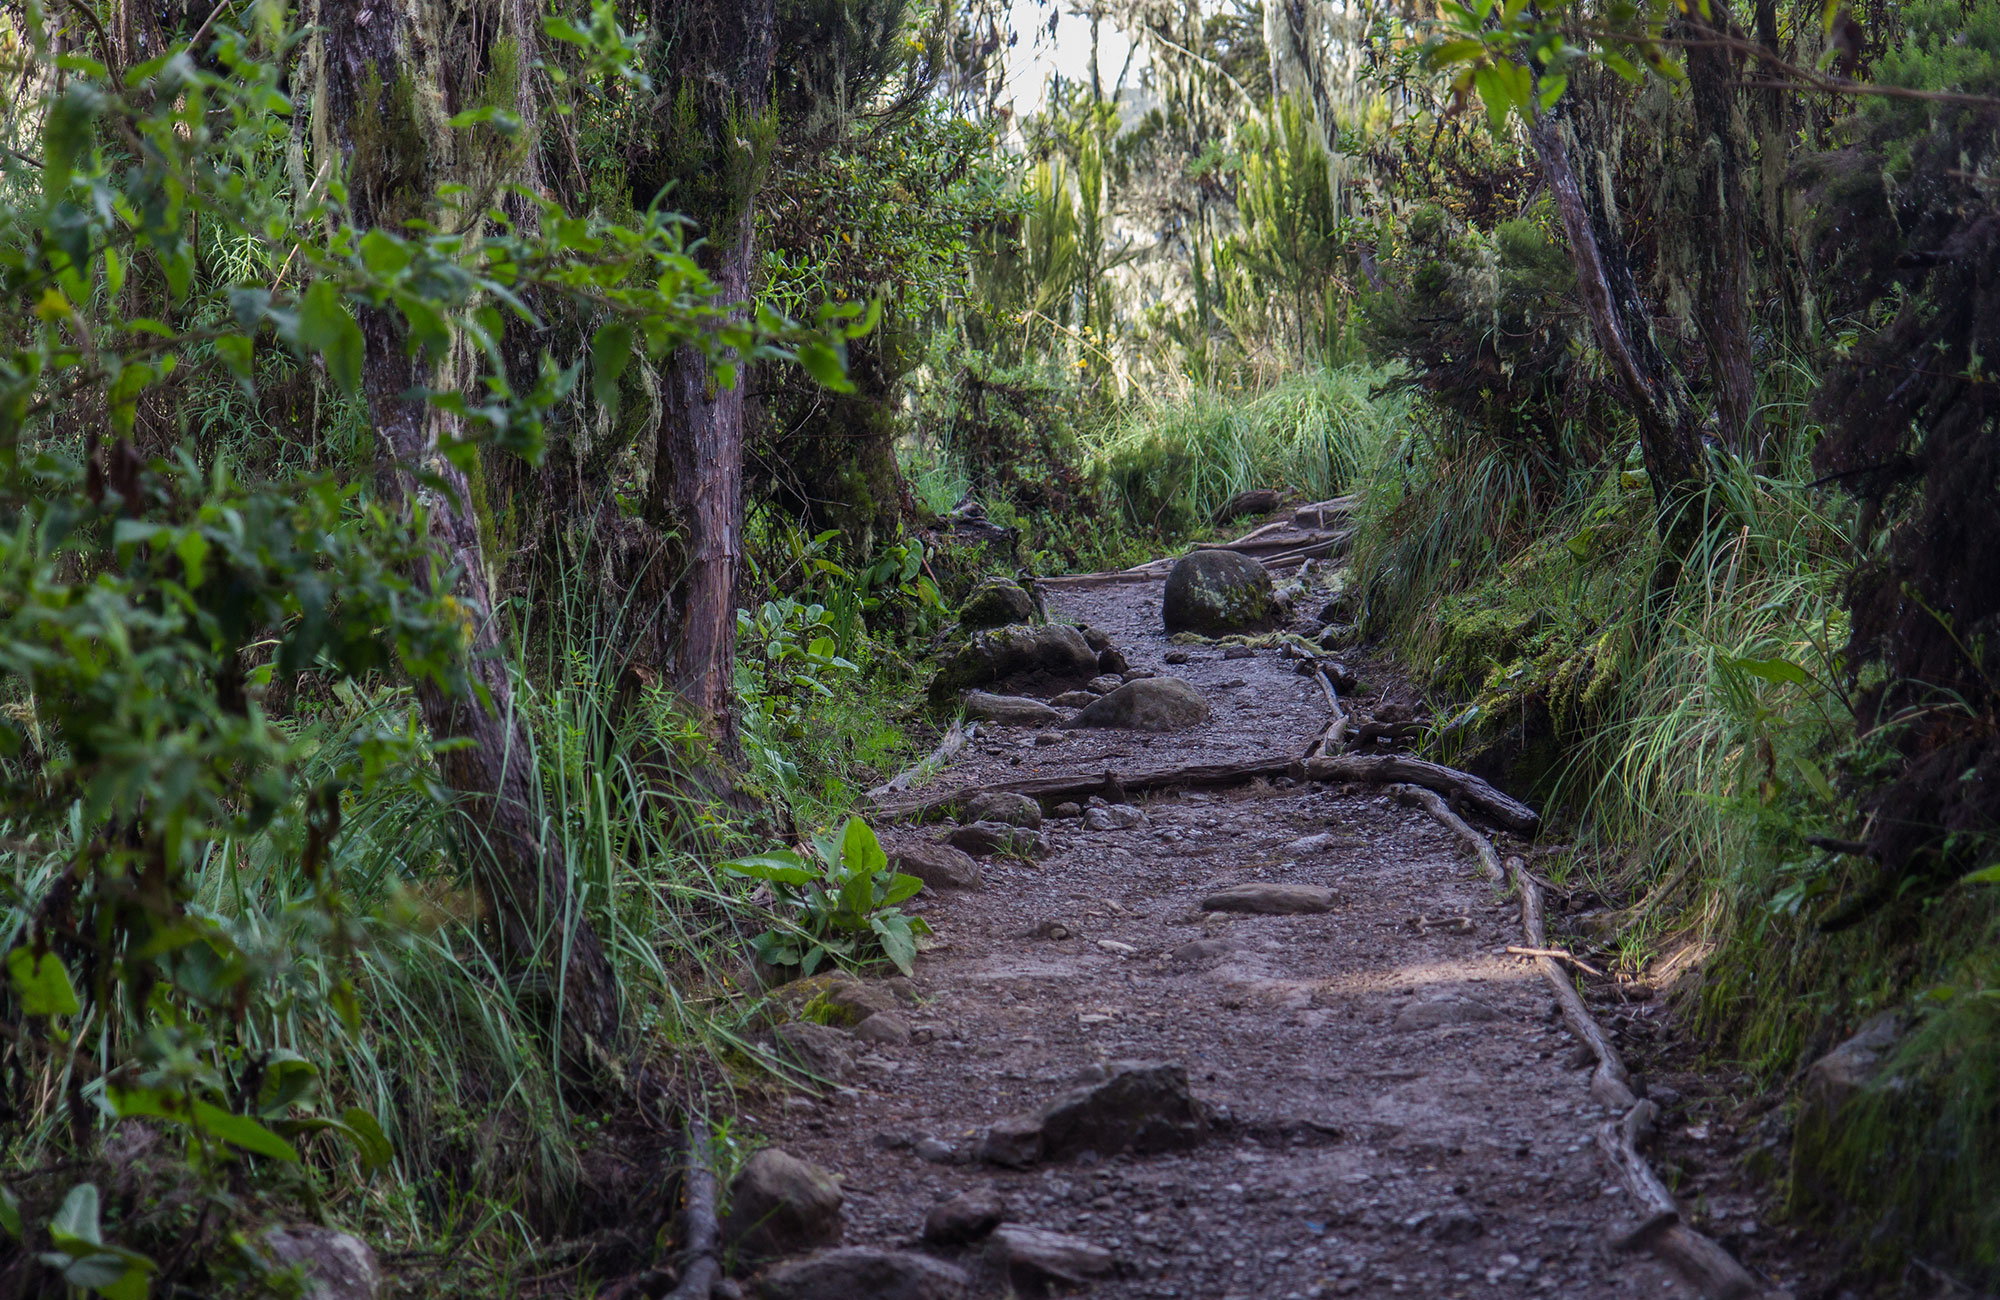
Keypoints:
pixel 1049 655
pixel 997 602
pixel 1214 592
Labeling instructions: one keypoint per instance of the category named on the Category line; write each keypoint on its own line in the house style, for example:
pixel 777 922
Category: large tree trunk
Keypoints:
pixel 1670 429
pixel 366 67
pixel 1722 278
pixel 721 54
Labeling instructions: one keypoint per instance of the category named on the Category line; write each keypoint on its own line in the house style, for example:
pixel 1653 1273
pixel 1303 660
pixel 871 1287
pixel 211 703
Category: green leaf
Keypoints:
pixel 242 1131
pixel 238 353
pixel 288 1078
pixel 783 866
pixel 1772 670
pixel 901 887
pixel 370 1142
pixel 10 1213
pixel 327 327
pixel 610 350
pixel 1983 876
pixel 860 851
pixel 826 364
pixel 41 983
pixel 66 134
pixel 1814 777
pixel 384 254
pixel 75 1228
pixel 898 944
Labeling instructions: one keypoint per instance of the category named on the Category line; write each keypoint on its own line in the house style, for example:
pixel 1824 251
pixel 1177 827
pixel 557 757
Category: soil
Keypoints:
pixel 1367 1149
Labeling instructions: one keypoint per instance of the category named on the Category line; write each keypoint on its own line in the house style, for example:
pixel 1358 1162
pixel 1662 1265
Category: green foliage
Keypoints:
pixel 841 904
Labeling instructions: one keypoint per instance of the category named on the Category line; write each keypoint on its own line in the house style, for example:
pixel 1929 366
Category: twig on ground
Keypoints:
pixel 1560 955
pixel 954 740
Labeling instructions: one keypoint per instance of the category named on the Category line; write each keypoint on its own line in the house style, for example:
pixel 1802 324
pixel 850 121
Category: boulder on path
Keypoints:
pixel 865 1273
pixel 1003 806
pixel 1054 652
pixel 1113 660
pixel 1116 817
pixel 780 1205
pixel 1144 1108
pixel 1032 1258
pixel 941 866
pixel 966 1217
pixel 1009 710
pixel 332 1265
pixel 1146 704
pixel 815 1048
pixel 1218 592
pixel 1073 699
pixel 1270 899
pixel 982 839
pixel 996 602
pixel 1831 1085
pixel 1095 637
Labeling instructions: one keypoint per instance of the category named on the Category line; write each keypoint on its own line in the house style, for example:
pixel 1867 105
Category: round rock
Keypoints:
pixel 1217 592
pixel 1148 704
pixel 997 602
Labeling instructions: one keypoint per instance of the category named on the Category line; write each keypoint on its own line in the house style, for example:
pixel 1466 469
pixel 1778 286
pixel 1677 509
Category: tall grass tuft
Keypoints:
pixel 1168 468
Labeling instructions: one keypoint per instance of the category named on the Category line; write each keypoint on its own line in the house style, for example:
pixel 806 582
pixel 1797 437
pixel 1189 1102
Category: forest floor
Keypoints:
pixel 1402 1110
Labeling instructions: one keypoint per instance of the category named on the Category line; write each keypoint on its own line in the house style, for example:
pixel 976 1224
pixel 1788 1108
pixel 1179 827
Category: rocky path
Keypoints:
pixel 1388 1104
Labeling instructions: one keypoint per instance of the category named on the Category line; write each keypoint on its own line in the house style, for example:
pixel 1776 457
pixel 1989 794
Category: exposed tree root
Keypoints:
pixel 1278 545
pixel 699 1269
pixel 1334 735
pixel 1113 785
pixel 1506 812
pixel 1706 1266
pixel 954 740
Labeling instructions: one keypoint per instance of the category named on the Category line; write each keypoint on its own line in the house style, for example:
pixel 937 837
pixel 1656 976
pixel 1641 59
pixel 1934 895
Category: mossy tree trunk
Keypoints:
pixel 1670 427
pixel 372 67
pixel 715 134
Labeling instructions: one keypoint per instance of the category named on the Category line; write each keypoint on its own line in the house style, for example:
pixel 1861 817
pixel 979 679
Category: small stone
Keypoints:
pixel 1198 950
pixel 1456 1227
pixel 1116 817
pixel 1010 710
pixel 884 1027
pixel 1015 1142
pixel 1034 1257
pixel 1238 652
pixel 1445 1011
pixel 1116 948
pixel 1053 930
pixel 1176 657
pixel 1072 699
pixel 864 1273
pixel 1270 899
pixel 1050 738
pixel 1096 638
pixel 941 866
pixel 984 838
pixel 1003 806
pixel 333 1265
pixel 780 1205
pixel 1147 704
pixel 1307 845
pixel 964 1218
pixel 1112 661
pixel 932 1151
pixel 1139 674
pixel 1104 685
pixel 1068 810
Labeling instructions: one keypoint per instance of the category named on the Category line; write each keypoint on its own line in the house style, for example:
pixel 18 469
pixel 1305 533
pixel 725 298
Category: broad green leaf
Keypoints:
pixel 901 887
pixel 242 1131
pixel 1772 670
pixel 783 866
pixel 610 350
pixel 827 365
pixel 238 353
pixel 41 983
pixel 75 1227
pixel 1983 876
pixel 370 1142
pixel 10 1213
pixel 1814 777
pixel 327 327
pixel 66 134
pixel 384 254
pixel 898 944
pixel 860 851
pixel 288 1078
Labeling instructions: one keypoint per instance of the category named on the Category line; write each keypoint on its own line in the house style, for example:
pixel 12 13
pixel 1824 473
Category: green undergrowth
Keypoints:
pixel 1685 728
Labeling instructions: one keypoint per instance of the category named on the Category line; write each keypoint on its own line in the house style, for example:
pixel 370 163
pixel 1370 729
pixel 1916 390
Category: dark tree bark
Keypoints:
pixel 365 122
pixel 1722 275
pixel 717 134
pixel 1670 429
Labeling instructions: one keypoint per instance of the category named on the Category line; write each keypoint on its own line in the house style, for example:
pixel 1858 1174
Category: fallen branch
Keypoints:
pixel 699 1269
pixel 1507 812
pixel 954 740
pixel 1112 785
pixel 1276 545
pixel 1710 1269
pixel 1334 734
pixel 1559 955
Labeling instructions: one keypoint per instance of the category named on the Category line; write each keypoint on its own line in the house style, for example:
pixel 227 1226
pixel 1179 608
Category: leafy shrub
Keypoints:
pixel 841 904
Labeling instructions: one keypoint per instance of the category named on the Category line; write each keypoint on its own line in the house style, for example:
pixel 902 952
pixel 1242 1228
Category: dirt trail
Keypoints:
pixel 1405 1112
